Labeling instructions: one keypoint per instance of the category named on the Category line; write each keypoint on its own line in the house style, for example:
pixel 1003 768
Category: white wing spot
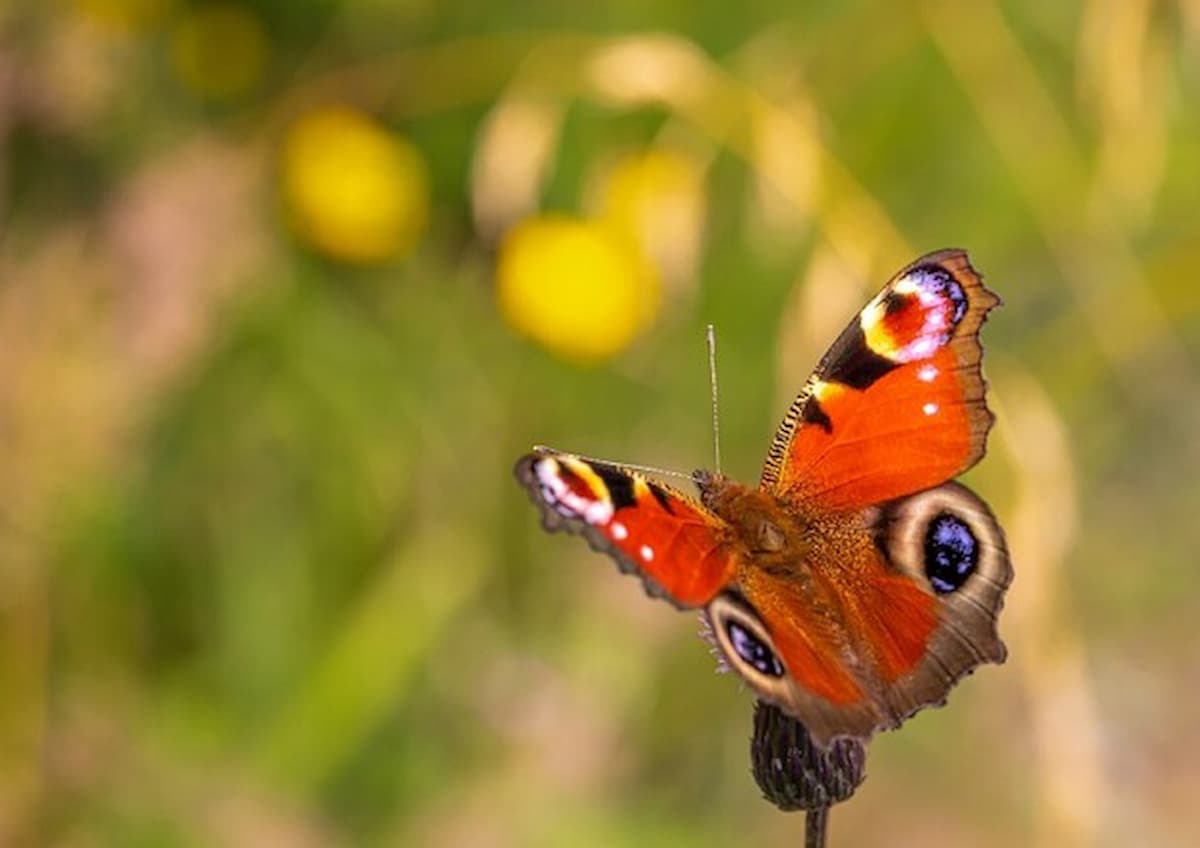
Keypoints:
pixel 921 348
pixel 929 408
pixel 620 531
pixel 927 374
pixel 596 512
pixel 647 553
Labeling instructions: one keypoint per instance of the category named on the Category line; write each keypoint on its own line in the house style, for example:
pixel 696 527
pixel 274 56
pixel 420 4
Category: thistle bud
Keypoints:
pixel 793 773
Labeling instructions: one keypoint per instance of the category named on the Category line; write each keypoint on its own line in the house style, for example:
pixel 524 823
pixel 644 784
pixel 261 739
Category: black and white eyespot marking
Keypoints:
pixel 752 651
pixel 951 552
pixel 947 539
pixel 745 643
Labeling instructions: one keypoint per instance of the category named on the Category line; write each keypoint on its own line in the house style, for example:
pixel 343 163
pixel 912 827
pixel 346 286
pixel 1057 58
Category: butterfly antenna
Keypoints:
pixel 711 336
pixel 645 469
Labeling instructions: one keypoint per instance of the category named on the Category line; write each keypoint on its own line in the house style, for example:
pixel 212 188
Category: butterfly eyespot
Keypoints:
pixel 577 490
pixel 745 643
pixel 934 284
pixel 947 539
pixel 894 302
pixel 951 552
pixel 752 651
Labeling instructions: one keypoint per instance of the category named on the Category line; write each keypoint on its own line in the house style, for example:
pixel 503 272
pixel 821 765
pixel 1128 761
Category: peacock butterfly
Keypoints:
pixel 857 583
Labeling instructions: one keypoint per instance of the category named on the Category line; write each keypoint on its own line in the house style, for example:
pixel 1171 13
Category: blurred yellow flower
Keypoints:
pixel 577 287
pixel 351 188
pixel 218 50
pixel 656 197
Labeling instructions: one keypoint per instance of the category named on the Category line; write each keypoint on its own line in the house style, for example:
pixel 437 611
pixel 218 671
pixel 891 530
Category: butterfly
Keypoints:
pixel 857 583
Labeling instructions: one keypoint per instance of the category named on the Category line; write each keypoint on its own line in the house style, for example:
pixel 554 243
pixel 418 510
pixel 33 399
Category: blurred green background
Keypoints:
pixel 286 286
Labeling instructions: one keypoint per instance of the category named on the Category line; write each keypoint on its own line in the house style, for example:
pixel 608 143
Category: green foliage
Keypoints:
pixel 267 577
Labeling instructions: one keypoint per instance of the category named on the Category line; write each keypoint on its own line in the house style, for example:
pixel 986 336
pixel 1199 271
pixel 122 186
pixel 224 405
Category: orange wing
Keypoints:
pixel 675 544
pixel 897 404
pixel 910 609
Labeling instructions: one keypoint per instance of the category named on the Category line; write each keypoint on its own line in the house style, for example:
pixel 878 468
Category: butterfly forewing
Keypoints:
pixel 897 404
pixel 675 544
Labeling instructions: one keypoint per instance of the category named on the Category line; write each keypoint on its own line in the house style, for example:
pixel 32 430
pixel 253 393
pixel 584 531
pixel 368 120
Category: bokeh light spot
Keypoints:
pixel 657 198
pixel 577 287
pixel 353 190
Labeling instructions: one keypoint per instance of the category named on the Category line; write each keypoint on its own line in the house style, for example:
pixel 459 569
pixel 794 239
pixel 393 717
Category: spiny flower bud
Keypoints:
pixel 793 773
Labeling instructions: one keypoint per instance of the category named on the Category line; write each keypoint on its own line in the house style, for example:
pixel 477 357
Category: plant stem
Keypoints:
pixel 815 824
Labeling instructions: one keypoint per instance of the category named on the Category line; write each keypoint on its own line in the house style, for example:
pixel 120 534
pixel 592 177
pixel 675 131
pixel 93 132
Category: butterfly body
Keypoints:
pixel 764 530
pixel 856 583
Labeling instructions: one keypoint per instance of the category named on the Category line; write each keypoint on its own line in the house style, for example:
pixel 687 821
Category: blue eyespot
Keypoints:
pixel 937 280
pixel 753 651
pixel 951 552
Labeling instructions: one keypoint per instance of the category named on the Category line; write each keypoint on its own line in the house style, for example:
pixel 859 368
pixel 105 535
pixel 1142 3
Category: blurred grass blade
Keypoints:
pixel 673 72
pixel 1094 255
pixel 514 153
pixel 369 666
pixel 1070 795
pixel 821 303
pixel 1123 70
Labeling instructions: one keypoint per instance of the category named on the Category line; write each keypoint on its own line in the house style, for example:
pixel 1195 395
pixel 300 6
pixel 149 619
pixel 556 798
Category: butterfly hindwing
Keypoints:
pixel 897 404
pixel 910 609
pixel 947 541
pixel 675 544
